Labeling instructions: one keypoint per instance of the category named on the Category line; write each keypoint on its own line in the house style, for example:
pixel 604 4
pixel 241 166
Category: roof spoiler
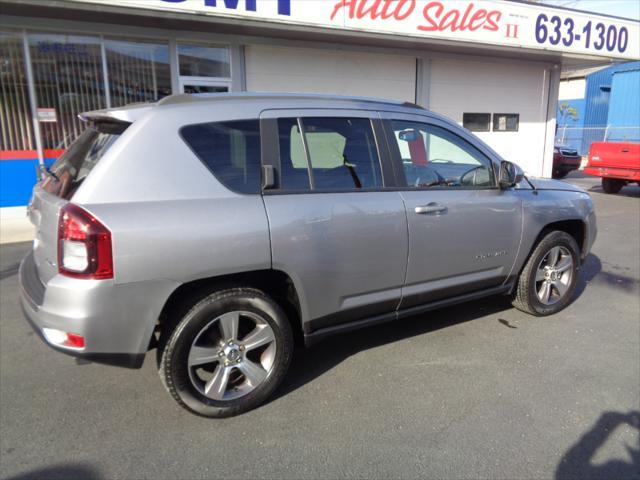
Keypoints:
pixel 105 124
pixel 125 115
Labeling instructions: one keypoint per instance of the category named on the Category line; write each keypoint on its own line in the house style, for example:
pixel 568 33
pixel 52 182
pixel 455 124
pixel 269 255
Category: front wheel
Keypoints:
pixel 227 354
pixel 548 280
pixel 611 185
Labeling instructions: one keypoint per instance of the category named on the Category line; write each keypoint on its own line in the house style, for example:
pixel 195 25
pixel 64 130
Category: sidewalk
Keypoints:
pixel 15 226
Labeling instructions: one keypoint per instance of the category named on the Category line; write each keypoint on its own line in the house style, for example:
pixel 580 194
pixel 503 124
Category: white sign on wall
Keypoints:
pixel 497 22
pixel 46 115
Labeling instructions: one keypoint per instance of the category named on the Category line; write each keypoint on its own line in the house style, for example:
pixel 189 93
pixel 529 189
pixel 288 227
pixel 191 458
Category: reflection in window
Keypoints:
pixel 506 122
pixel 68 77
pixel 138 71
pixel 201 61
pixel 16 129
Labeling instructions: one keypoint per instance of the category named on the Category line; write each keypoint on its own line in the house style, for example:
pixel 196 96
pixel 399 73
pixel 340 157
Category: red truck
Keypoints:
pixel 618 163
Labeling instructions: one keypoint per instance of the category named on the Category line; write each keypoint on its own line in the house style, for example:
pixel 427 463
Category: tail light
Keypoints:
pixel 84 245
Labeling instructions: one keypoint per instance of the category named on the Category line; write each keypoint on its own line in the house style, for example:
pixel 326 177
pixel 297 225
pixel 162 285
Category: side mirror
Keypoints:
pixel 510 175
pixel 409 135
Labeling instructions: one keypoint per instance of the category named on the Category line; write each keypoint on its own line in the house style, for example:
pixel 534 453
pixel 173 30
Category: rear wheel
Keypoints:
pixel 560 174
pixel 611 185
pixel 549 278
pixel 227 354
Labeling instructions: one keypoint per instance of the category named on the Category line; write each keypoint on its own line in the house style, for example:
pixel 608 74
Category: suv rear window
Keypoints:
pixel 69 171
pixel 230 150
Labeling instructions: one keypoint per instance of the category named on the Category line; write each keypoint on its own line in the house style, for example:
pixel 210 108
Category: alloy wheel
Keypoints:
pixel 232 355
pixel 554 275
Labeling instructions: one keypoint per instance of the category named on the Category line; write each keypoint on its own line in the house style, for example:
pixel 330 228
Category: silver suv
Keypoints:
pixel 218 230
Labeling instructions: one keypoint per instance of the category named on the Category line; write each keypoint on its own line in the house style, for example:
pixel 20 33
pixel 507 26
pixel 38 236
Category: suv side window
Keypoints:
pixel 231 150
pixel 328 153
pixel 435 157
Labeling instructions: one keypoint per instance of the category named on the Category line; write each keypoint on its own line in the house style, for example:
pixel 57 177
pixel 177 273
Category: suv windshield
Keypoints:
pixel 69 171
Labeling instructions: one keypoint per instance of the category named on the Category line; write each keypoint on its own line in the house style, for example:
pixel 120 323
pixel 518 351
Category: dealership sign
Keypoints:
pixel 498 22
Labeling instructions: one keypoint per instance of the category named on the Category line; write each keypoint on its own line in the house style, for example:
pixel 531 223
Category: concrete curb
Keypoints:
pixel 16 230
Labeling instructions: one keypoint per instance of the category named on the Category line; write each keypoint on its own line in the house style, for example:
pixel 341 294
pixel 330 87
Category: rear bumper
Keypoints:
pixel 116 322
pixel 618 173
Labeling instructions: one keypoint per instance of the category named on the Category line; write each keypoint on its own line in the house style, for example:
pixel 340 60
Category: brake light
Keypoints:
pixel 84 245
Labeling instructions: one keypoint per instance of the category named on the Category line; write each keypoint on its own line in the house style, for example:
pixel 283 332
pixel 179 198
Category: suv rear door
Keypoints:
pixel 59 184
pixel 335 228
pixel 464 231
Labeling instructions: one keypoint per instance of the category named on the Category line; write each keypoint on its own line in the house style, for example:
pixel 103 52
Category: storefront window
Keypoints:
pixel 204 61
pixel 68 78
pixel 203 89
pixel 138 71
pixel 16 128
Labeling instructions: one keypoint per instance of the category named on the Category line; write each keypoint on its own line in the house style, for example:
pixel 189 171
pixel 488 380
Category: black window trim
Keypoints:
pixel 271 152
pixel 489 122
pixel 493 123
pixel 305 147
pixel 396 158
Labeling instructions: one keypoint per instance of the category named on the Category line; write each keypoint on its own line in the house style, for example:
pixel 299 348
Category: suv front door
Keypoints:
pixel 335 229
pixel 464 231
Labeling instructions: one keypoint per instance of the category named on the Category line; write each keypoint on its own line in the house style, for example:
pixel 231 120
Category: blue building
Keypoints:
pixel 599 105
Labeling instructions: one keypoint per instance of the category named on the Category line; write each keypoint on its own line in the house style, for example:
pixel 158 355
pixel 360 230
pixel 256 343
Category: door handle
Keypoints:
pixel 430 208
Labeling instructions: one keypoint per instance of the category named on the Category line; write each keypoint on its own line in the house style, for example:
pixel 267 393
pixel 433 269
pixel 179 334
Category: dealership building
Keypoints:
pixel 492 66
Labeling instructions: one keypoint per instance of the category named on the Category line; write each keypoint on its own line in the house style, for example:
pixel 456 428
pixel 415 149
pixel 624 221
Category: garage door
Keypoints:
pixel 284 69
pixel 459 87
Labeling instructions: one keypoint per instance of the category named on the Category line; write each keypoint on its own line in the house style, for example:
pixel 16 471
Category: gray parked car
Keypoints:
pixel 218 230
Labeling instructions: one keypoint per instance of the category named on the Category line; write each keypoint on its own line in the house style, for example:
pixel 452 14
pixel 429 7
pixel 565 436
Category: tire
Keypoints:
pixel 560 174
pixel 198 347
pixel 611 185
pixel 561 287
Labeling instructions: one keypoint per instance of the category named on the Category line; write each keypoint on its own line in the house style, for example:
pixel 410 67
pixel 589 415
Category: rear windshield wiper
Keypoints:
pixel 46 171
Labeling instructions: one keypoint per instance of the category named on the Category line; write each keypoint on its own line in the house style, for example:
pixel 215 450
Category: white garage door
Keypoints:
pixel 494 87
pixel 285 69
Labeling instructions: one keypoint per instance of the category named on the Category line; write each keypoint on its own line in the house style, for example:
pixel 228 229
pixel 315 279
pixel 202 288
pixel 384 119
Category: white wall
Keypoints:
pixel 455 86
pixel 288 69
pixel 572 89
pixel 483 86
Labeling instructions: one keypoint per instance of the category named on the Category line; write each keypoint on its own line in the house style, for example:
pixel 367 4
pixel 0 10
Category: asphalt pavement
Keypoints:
pixel 475 391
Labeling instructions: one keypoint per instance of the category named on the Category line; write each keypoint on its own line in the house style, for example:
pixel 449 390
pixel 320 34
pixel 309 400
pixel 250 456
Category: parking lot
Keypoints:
pixel 474 391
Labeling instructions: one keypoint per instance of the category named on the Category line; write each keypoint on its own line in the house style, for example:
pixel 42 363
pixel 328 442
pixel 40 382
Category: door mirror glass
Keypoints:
pixel 510 174
pixel 409 135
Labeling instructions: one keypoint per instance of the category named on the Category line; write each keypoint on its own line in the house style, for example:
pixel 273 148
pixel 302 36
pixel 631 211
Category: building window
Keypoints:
pixel 506 122
pixel 68 79
pixel 16 127
pixel 204 70
pixel 200 89
pixel 137 71
pixel 477 122
pixel 202 61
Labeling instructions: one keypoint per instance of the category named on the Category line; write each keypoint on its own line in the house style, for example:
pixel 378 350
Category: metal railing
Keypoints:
pixel 581 138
